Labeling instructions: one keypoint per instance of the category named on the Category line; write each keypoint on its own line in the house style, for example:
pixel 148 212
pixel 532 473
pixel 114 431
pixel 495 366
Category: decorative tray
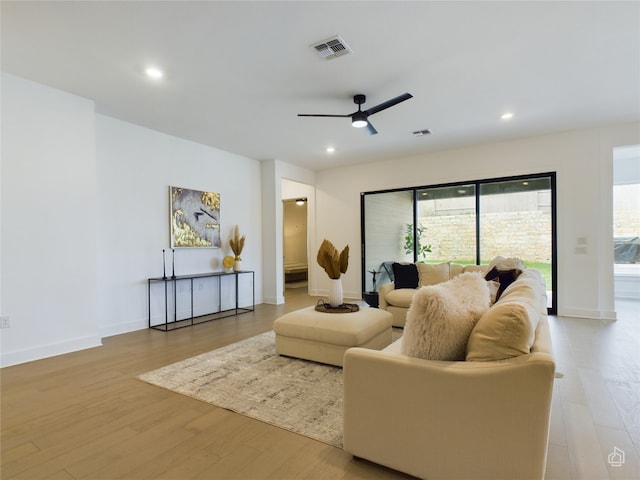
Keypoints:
pixel 344 308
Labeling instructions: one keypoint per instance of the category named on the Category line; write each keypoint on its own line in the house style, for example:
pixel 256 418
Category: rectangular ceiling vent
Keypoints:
pixel 332 48
pixel 420 133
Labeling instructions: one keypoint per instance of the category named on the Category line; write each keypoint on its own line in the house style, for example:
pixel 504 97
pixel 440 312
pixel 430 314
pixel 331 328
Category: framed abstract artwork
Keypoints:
pixel 195 218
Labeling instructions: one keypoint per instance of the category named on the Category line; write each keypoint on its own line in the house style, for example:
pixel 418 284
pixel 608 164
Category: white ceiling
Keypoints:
pixel 237 73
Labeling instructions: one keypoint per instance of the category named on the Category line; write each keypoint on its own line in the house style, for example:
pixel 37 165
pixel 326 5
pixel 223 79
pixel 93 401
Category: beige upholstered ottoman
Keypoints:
pixel 324 337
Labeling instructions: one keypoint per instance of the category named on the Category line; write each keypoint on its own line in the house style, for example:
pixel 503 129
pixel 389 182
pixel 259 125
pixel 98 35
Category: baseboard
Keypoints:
pixel 45 351
pixel 272 300
pixel 588 314
pixel 120 328
pixel 627 286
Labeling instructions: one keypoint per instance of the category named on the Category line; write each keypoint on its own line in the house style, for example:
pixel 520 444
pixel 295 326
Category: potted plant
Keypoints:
pixel 422 250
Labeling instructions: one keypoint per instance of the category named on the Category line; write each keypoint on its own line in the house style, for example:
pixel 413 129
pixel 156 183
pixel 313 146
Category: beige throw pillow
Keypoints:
pixel 475 268
pixel 429 274
pixel 506 330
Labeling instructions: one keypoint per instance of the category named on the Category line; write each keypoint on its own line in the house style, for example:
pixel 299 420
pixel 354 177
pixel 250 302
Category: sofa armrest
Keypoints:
pixel 435 419
pixel 382 292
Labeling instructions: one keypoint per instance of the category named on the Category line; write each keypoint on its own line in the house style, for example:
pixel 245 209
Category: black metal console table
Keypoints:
pixel 175 323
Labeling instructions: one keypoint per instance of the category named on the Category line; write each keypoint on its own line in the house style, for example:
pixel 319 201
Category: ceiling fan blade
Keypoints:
pixel 320 115
pixel 370 128
pixel 388 103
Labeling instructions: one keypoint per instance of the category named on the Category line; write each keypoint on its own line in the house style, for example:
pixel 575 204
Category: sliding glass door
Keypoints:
pixel 447 218
pixel 515 221
pixel 469 222
pixel 387 214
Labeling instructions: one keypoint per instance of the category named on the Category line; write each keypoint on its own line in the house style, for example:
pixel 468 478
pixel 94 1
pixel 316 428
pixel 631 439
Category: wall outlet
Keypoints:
pixel 4 322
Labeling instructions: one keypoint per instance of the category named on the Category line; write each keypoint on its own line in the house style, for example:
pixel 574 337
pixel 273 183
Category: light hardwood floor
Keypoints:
pixel 596 405
pixel 85 416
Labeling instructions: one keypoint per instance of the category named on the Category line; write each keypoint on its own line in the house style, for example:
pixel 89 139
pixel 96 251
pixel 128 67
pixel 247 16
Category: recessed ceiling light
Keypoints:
pixel 154 72
pixel 330 149
pixel 506 116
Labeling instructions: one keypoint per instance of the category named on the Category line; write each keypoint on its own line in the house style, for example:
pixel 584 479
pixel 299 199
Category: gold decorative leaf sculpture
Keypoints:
pixel 334 263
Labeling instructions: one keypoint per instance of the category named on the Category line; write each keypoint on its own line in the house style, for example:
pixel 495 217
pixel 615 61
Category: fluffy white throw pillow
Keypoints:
pixel 442 316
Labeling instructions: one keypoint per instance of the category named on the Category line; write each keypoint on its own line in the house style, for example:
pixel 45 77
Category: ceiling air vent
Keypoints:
pixel 332 48
pixel 420 133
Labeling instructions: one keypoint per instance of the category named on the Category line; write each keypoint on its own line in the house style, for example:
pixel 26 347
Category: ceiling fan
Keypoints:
pixel 360 118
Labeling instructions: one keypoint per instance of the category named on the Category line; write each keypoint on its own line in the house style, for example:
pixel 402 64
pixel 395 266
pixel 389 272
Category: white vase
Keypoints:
pixel 237 266
pixel 335 292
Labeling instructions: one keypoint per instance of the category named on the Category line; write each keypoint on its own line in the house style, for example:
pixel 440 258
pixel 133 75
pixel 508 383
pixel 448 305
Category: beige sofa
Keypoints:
pixel 398 301
pixel 486 417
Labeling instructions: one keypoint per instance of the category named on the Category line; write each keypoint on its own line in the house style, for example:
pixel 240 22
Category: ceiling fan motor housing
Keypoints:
pixel 359 119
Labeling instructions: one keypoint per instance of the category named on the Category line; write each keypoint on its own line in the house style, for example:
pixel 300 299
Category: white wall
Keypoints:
pixel 583 162
pixel 49 220
pixel 135 168
pixel 85 216
pixel 273 174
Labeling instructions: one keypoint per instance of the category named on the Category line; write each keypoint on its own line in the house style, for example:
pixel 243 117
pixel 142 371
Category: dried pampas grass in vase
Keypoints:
pixel 237 245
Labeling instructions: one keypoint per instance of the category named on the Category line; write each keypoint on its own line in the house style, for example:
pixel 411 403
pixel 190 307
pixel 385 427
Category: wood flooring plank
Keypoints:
pixel 283 454
pixel 61 475
pixel 626 396
pixel 193 467
pixel 585 454
pixel 570 388
pixel 557 432
pixel 231 465
pixel 18 452
pixel 186 459
pixel 558 464
pixel 601 404
pixel 45 462
pixel 116 461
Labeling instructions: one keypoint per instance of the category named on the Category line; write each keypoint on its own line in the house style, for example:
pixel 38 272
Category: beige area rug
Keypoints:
pixel 249 378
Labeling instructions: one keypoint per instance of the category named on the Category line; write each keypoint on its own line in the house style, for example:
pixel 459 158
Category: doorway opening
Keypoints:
pixel 296 269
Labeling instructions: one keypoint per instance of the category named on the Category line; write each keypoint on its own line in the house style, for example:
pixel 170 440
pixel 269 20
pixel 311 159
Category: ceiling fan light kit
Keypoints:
pixel 360 118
